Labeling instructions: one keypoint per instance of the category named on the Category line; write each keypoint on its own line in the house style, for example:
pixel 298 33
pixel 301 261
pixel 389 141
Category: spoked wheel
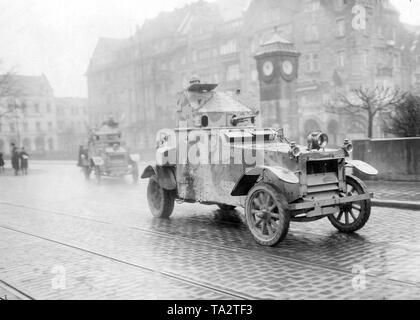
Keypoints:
pixel 266 215
pixel 161 201
pixel 353 216
pixel 225 207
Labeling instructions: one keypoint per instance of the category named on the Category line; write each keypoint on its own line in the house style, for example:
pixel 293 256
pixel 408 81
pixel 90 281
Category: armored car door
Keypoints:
pixel 204 174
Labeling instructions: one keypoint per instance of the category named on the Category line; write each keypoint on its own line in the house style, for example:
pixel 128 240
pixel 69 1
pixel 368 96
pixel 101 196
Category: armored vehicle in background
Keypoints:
pixel 106 155
pixel 217 156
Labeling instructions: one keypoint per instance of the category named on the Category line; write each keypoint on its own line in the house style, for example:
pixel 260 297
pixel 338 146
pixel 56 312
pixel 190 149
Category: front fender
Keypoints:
pixel 250 178
pixel 165 176
pixel 362 167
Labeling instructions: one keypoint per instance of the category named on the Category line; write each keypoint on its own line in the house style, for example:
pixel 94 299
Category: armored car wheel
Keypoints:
pixel 266 214
pixel 161 201
pixel 353 216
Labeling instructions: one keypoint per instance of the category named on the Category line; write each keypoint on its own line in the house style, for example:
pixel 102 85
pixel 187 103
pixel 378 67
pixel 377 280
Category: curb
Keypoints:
pixel 409 205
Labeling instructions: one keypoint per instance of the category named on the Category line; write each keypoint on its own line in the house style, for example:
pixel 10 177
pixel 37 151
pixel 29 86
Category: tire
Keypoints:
pixel 225 207
pixel 274 220
pixel 161 201
pixel 349 211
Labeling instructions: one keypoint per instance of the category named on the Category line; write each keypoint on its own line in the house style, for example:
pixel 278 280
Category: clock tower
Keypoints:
pixel 277 64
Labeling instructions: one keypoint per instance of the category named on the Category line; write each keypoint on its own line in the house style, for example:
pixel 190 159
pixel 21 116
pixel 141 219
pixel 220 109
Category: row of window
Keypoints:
pixel 311 61
pixel 27 108
pixel 27 128
pixel 73 111
pixel 312 34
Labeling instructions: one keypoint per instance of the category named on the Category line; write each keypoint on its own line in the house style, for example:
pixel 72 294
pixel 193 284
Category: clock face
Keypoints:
pixel 268 68
pixel 287 67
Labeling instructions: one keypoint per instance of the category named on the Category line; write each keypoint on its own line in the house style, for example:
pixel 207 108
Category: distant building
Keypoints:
pixel 137 78
pixel 30 120
pixel 72 124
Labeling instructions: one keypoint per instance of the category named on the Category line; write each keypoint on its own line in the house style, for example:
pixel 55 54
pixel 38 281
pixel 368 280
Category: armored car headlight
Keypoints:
pixel 347 147
pixel 294 151
pixel 317 140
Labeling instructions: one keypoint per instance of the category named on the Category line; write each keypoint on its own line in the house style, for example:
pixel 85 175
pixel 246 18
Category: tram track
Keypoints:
pixel 236 249
pixel 228 292
pixel 9 289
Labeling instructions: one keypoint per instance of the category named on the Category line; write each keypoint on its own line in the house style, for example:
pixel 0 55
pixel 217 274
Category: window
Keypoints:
pixel 25 127
pixel 48 107
pixel 365 59
pixel 312 62
pixel 204 54
pixel 12 127
pixel 341 28
pixel 233 73
pixel 38 126
pixel 36 107
pixel 24 107
pixel 341 59
pixel 312 5
pixel 50 126
pixel 311 33
pixel 270 16
pixel 254 75
pixel 230 46
pixel 340 4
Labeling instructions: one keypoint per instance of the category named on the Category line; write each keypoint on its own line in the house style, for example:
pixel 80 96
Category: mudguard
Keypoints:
pixel 165 176
pixel 250 178
pixel 362 167
pixel 98 161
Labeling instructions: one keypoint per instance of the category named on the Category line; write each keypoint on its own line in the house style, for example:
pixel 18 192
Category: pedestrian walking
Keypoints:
pixel 15 159
pixel 24 159
pixel 1 162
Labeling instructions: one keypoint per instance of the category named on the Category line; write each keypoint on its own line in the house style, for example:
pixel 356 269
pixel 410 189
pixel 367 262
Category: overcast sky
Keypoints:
pixel 57 37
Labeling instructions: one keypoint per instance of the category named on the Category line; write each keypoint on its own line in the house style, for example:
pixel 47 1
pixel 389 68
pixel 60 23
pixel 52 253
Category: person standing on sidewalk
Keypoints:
pixel 1 162
pixel 24 159
pixel 15 159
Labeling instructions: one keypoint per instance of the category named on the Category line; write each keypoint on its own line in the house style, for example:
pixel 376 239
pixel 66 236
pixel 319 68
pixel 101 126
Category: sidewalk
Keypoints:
pixel 405 195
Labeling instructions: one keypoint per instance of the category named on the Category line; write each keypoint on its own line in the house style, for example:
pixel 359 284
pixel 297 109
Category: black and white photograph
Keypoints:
pixel 222 151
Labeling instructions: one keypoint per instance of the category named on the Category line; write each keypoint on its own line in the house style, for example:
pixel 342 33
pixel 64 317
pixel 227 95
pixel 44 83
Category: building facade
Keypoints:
pixel 72 125
pixel 344 44
pixel 28 116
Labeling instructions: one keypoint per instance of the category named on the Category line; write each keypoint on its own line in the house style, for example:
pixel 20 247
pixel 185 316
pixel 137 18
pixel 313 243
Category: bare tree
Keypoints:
pixel 369 102
pixel 405 120
pixel 7 89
